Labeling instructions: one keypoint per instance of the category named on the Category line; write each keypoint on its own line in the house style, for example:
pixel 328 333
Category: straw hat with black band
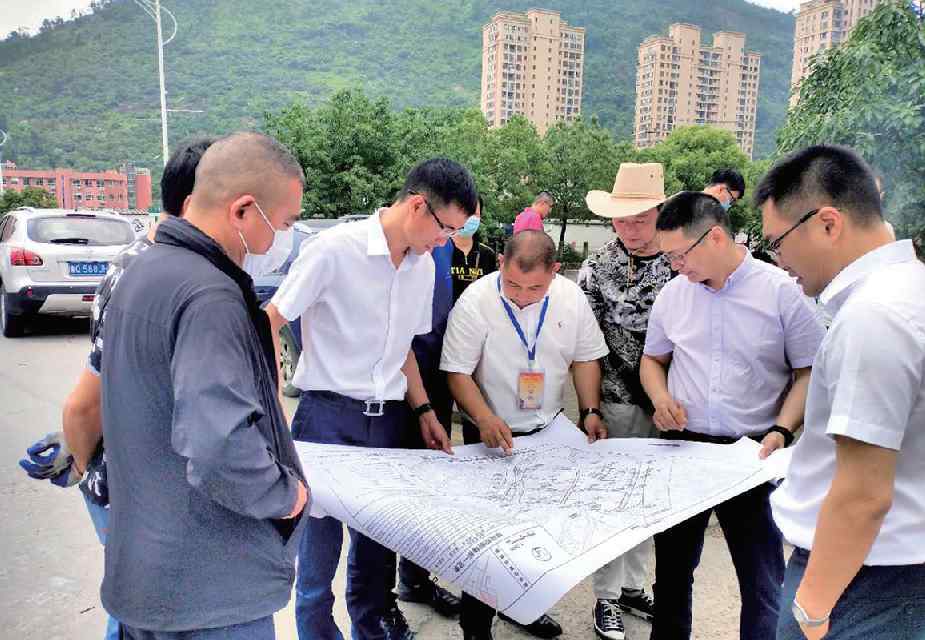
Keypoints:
pixel 636 189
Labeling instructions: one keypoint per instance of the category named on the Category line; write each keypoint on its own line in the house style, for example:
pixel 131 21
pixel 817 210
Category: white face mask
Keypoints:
pixel 255 264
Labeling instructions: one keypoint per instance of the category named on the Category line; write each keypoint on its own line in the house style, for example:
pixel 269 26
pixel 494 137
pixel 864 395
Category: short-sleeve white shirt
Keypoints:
pixel 868 384
pixel 358 312
pixel 733 349
pixel 481 341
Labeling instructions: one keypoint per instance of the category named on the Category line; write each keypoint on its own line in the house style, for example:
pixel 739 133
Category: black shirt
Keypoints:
pixel 466 269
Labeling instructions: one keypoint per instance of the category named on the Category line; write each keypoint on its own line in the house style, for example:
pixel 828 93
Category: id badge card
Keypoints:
pixel 530 387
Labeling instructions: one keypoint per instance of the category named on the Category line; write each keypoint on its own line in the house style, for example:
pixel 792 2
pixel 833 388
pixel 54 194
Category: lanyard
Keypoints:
pixel 531 353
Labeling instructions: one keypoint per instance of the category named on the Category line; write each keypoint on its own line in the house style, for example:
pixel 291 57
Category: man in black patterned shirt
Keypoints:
pixel 621 281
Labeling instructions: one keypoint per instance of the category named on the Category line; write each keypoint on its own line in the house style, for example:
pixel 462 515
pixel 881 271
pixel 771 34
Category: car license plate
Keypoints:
pixel 87 268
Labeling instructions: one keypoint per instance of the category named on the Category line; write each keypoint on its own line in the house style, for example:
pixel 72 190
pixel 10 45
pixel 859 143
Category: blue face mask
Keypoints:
pixel 726 205
pixel 472 225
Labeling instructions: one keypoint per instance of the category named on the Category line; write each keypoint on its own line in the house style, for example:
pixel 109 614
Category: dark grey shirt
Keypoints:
pixel 200 460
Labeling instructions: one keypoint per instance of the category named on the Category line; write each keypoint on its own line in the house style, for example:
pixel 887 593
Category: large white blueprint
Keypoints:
pixel 518 532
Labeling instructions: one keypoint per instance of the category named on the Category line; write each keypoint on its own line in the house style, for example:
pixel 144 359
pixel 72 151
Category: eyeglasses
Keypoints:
pixel 732 198
pixel 679 257
pixel 445 230
pixel 773 248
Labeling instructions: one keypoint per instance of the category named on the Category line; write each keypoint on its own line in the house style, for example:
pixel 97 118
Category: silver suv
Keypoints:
pixel 51 261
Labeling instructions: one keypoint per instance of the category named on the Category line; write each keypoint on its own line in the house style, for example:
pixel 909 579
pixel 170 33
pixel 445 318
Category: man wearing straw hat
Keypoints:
pixel 621 281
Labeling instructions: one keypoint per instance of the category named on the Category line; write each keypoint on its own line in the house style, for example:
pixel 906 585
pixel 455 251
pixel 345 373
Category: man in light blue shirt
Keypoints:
pixel 729 347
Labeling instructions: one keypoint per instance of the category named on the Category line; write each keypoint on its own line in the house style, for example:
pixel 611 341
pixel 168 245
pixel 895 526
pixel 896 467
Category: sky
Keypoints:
pixel 23 13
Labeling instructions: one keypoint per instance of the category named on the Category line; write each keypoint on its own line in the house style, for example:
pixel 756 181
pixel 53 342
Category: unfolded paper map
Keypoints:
pixel 518 532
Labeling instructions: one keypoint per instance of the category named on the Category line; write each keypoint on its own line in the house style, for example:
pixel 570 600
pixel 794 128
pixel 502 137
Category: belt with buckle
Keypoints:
pixel 371 408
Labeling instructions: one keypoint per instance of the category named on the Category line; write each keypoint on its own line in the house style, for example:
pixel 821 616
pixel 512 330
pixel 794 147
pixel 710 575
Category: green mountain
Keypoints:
pixel 83 93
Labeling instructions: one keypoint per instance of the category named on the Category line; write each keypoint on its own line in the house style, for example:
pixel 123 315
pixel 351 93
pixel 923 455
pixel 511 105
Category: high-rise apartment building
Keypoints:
pixel 821 25
pixel 532 65
pixel 681 82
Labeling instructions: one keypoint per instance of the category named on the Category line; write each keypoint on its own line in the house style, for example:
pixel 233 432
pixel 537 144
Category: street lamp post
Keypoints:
pixel 153 9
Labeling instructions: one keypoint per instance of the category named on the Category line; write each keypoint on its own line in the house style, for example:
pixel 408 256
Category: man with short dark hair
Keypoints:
pixel 206 488
pixel 852 503
pixel 727 186
pixel 512 341
pixel 81 438
pixel 363 291
pixel 532 217
pixel 729 348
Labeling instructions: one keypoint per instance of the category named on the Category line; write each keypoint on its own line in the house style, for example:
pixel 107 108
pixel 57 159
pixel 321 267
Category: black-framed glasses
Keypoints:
pixel 445 230
pixel 773 248
pixel 679 257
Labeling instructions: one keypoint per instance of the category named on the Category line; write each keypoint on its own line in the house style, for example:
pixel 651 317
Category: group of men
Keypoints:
pixel 672 330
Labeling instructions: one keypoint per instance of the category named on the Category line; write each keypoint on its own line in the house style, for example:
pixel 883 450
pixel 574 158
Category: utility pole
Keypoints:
pixel 160 70
pixel 2 142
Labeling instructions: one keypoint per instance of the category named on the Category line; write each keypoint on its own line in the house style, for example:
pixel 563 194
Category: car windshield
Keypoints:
pixel 85 230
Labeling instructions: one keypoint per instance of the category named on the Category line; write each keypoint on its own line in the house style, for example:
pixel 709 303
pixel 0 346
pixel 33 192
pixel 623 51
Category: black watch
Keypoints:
pixel 784 431
pixel 584 413
pixel 422 409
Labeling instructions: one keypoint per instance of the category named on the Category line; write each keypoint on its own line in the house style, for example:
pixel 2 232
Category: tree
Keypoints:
pixel 28 197
pixel 581 156
pixel 868 94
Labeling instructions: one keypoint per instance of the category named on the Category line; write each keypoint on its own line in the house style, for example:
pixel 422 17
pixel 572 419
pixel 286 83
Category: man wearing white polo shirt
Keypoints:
pixel 512 340
pixel 363 291
pixel 728 352
pixel 853 502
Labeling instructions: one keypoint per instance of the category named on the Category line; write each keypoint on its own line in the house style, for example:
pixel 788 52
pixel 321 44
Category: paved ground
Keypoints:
pixel 51 563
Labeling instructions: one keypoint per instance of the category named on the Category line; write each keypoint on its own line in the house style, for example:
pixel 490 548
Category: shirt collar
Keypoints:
pixel 839 290
pixel 376 244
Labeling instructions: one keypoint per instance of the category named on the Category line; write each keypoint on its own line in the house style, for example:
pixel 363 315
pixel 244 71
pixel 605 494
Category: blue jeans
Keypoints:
pixel 100 517
pixel 757 552
pixel 260 629
pixel 325 418
pixel 882 603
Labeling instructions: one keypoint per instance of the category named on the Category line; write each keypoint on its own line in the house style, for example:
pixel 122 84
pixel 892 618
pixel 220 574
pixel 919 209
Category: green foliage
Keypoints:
pixel 869 94
pixel 28 197
pixel 83 93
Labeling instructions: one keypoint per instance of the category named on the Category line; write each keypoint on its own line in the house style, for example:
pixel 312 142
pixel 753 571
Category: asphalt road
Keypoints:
pixel 51 563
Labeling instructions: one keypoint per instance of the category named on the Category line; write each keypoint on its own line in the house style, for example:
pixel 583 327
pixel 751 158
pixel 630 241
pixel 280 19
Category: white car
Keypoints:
pixel 51 261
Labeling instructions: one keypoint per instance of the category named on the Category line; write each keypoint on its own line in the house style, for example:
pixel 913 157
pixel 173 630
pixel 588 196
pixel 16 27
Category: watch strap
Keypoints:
pixel 420 410
pixel 784 431
pixel 584 413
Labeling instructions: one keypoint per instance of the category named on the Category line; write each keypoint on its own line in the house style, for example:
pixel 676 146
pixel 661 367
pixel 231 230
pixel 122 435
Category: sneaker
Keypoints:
pixel 638 603
pixel 432 594
pixel 608 620
pixel 395 626
pixel 542 627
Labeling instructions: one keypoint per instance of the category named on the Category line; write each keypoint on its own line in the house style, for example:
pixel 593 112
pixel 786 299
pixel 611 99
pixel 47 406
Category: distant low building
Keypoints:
pixel 81 189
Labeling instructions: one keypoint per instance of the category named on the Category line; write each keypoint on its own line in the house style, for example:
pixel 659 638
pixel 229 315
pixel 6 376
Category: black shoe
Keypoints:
pixel 608 620
pixel 542 627
pixel 395 626
pixel 638 603
pixel 430 593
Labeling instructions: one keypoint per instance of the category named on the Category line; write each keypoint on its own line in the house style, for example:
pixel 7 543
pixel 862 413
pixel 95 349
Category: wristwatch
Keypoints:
pixel 784 431
pixel 584 413
pixel 803 618
pixel 422 409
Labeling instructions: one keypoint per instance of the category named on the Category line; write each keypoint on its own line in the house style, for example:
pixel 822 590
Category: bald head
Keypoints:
pixel 529 250
pixel 244 163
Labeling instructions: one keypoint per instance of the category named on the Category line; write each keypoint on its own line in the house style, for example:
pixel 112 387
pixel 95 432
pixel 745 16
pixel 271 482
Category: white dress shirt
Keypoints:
pixel 868 384
pixel 481 341
pixel 359 313
pixel 733 350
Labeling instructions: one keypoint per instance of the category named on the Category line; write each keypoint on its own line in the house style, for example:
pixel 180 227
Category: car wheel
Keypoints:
pixel 11 325
pixel 288 359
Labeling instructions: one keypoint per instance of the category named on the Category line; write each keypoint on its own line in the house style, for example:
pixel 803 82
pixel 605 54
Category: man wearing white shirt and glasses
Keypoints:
pixel 363 291
pixel 512 341
pixel 729 346
pixel 853 502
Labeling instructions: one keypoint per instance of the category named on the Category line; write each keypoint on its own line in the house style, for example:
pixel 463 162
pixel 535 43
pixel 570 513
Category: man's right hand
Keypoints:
pixel 301 500
pixel 669 415
pixel 495 433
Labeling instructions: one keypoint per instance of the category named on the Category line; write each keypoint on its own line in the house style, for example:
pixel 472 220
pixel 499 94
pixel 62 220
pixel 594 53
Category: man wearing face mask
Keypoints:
pixel 621 281
pixel 206 489
pixel 512 342
pixel 727 186
pixel 363 291
pixel 471 258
